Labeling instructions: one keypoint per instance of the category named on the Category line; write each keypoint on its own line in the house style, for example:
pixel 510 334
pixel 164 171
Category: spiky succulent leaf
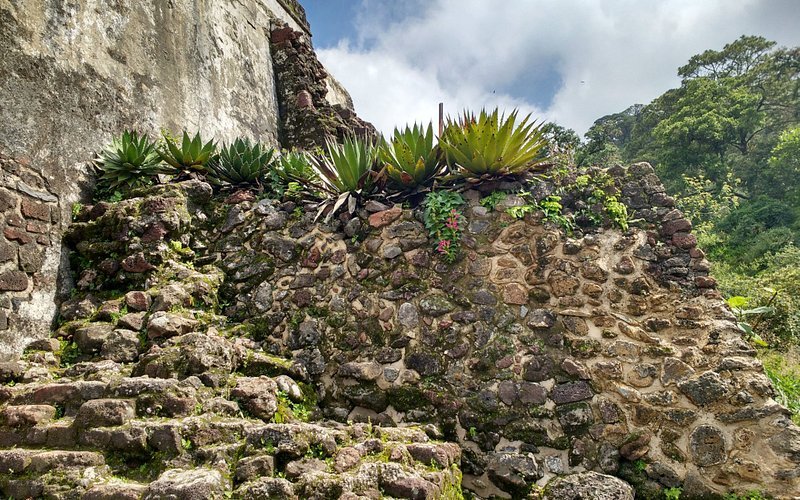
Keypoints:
pixel 190 155
pixel 492 144
pixel 295 166
pixel 241 163
pixel 410 158
pixel 347 167
pixel 130 161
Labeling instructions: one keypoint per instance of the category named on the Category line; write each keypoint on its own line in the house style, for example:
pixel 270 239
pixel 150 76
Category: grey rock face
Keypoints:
pixel 588 485
pixel 513 472
pixel 194 484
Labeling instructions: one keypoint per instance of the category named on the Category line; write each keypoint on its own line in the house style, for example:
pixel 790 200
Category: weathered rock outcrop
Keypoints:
pixel 261 337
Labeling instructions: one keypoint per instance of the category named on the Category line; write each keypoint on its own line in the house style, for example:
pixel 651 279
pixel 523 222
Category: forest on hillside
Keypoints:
pixel 726 143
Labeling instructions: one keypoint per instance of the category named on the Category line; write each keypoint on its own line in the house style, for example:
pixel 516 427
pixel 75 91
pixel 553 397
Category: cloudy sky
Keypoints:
pixel 571 61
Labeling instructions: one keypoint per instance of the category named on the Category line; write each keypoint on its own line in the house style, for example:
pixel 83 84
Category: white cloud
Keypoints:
pixel 609 54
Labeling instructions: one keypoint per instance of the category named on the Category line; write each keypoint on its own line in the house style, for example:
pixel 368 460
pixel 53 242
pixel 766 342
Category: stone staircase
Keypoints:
pixel 93 431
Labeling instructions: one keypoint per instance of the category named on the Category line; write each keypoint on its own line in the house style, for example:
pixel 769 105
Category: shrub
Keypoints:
pixel 784 372
pixel 129 162
pixel 241 164
pixel 410 158
pixel 780 273
pixel 492 145
pixel 191 155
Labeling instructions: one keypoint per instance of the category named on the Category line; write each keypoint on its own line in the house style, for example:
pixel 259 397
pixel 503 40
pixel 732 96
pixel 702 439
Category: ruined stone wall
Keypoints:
pixel 73 74
pixel 314 107
pixel 541 355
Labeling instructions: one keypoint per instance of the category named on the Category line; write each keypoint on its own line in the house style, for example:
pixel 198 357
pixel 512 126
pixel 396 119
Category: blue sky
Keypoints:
pixel 571 61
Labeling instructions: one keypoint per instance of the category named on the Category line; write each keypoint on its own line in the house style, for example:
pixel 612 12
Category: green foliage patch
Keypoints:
pixel 444 221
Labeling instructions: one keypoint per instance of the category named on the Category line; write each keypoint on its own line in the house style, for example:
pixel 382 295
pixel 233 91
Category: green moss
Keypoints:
pixel 406 398
pixel 527 432
pixel 451 489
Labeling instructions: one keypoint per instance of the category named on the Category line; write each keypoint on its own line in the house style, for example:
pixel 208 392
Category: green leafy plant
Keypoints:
pixel 550 207
pixel 443 220
pixel 346 171
pixel 190 156
pixel 241 163
pixel 493 199
pixel 76 210
pixel 673 493
pixel 411 159
pixel 738 304
pixel 519 211
pixel 129 162
pixel 492 144
pixel 597 190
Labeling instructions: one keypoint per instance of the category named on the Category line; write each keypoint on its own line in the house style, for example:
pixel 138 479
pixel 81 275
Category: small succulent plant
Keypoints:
pixel 346 171
pixel 347 167
pixel 241 163
pixel 191 155
pixel 410 158
pixel 129 162
pixel 295 166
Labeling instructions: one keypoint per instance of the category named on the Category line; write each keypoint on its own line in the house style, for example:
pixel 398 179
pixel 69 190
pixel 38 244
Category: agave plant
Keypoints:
pixel 410 158
pixel 295 166
pixel 241 163
pixel 130 161
pixel 492 144
pixel 191 155
pixel 346 170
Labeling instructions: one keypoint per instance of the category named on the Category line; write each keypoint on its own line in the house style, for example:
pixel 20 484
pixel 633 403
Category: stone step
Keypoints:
pixel 115 489
pixel 20 461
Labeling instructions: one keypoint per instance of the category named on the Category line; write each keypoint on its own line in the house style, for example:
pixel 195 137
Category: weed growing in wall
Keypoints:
pixel 444 221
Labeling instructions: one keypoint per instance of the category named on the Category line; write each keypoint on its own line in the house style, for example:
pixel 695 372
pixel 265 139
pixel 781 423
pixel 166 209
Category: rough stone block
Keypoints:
pixel 188 484
pixel 27 415
pixel 7 200
pixel 31 259
pixel 13 281
pixel 105 413
pixel 35 210
pixel 8 250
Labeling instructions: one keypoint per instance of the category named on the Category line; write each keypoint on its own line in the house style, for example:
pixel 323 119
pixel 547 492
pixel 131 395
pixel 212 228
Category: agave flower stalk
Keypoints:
pixel 411 159
pixel 492 144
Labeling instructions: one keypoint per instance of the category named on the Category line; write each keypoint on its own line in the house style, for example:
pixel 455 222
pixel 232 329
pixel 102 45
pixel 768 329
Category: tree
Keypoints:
pixel 781 178
pixel 560 138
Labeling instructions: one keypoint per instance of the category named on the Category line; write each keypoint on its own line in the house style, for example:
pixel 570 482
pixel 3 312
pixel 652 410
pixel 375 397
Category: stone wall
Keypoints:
pixel 541 355
pixel 73 74
pixel 314 107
